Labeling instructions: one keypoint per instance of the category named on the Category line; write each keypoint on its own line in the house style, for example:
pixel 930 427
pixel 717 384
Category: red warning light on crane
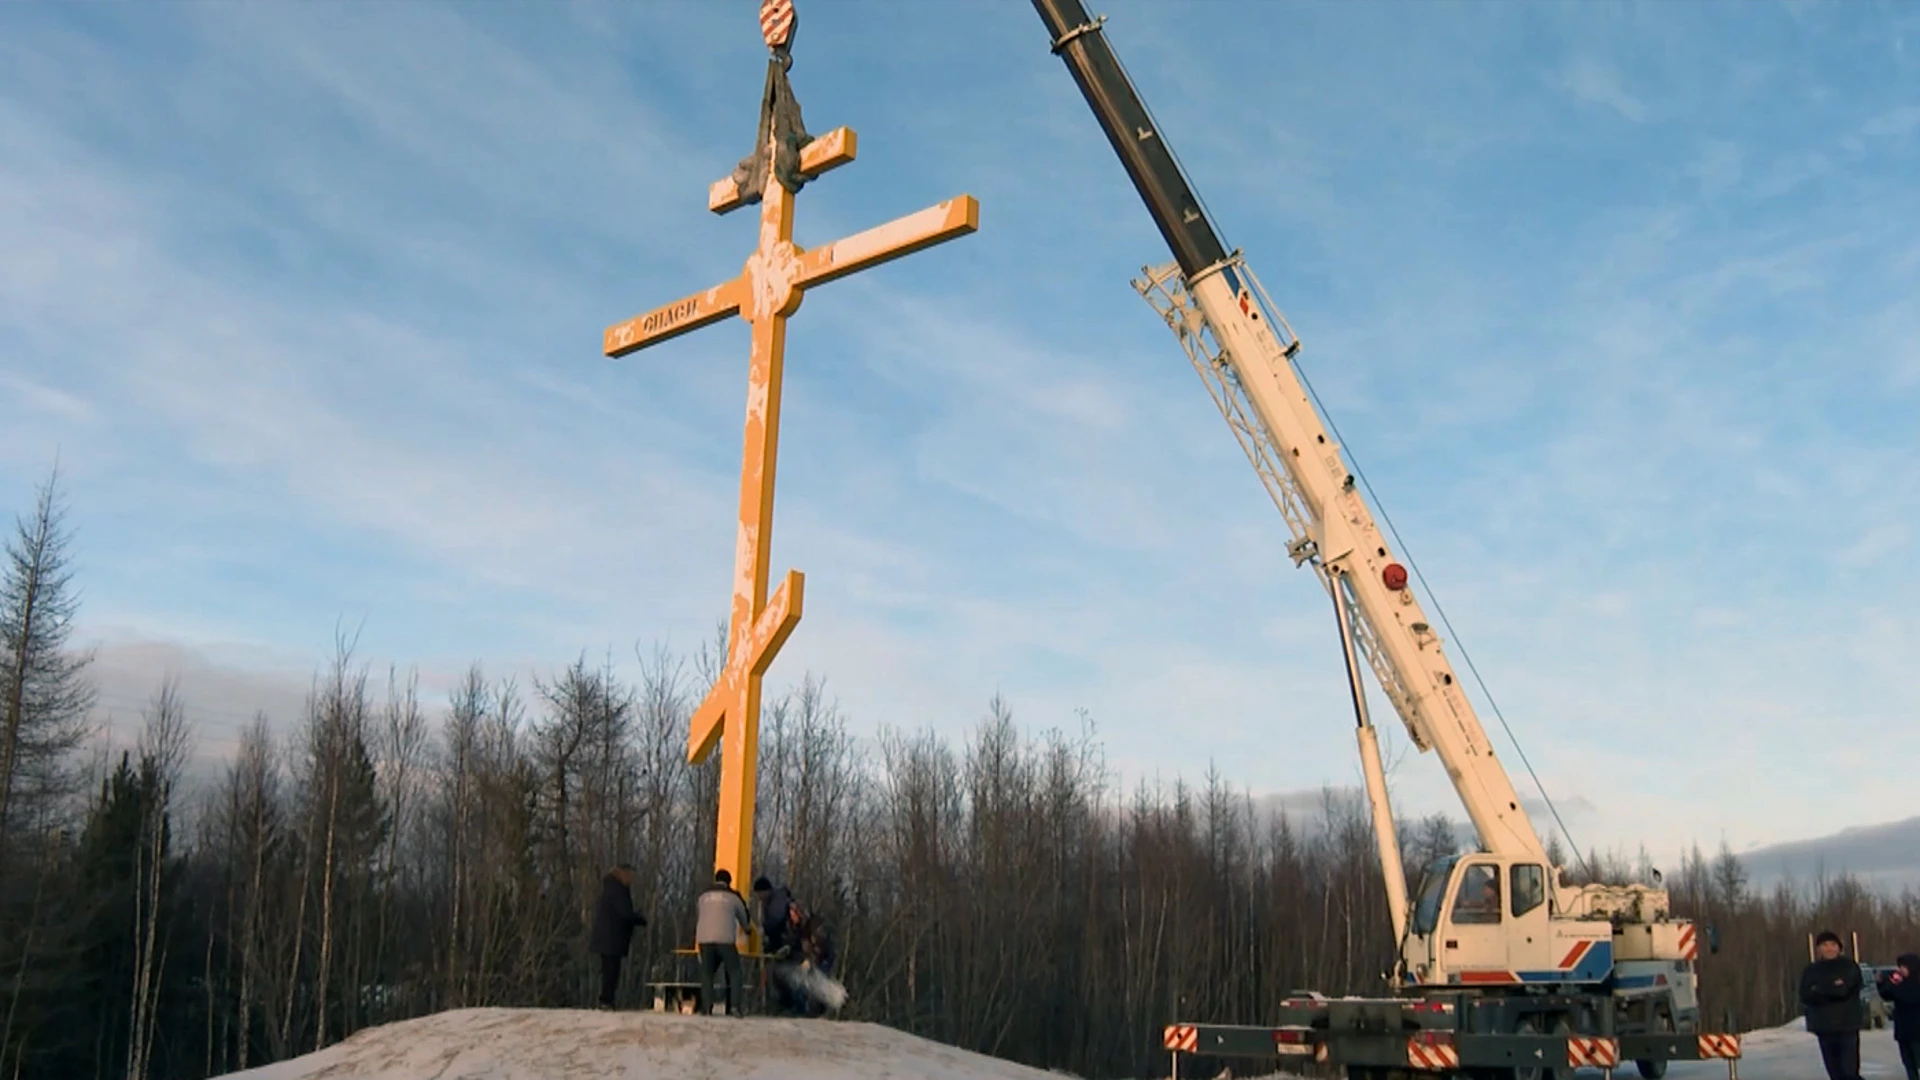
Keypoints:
pixel 1394 576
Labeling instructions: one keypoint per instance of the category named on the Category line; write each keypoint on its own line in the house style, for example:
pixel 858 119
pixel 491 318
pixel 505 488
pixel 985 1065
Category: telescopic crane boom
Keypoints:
pixel 1502 965
pixel 1245 350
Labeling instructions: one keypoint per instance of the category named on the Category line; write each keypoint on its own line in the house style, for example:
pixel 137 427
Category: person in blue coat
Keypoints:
pixel 1900 988
pixel 614 921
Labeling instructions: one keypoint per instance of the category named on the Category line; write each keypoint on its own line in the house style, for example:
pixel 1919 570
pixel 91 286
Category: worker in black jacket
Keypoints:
pixel 775 943
pixel 1901 989
pixel 1830 991
pixel 614 922
pixel 773 904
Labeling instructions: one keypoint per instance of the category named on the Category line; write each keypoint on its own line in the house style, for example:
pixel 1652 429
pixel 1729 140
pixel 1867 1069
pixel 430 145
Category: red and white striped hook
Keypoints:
pixel 776 23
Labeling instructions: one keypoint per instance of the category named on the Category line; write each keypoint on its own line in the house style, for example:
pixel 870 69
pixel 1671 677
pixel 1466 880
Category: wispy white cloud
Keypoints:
pixel 1718 166
pixel 314 326
pixel 1895 123
pixel 54 404
pixel 1597 83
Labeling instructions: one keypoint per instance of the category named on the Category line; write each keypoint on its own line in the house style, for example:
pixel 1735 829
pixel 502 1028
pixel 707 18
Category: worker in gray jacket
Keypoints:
pixel 723 917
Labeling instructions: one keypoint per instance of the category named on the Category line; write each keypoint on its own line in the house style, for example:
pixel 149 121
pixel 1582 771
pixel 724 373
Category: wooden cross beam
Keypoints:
pixel 767 292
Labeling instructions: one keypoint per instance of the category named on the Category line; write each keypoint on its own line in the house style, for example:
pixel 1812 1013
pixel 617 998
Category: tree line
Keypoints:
pixel 372 860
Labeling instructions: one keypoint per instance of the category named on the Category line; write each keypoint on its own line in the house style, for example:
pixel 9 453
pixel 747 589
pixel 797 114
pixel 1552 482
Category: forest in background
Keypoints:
pixel 372 860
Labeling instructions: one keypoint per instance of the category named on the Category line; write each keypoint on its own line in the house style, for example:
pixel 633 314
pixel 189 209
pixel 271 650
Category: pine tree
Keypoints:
pixel 44 693
pixel 44 701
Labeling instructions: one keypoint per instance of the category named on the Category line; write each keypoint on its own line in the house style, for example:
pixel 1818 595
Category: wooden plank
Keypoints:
pixel 671 320
pixel 884 243
pixel 825 153
pixel 776 622
pixel 828 152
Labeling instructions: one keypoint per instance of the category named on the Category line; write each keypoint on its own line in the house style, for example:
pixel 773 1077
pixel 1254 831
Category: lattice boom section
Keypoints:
pixel 1164 290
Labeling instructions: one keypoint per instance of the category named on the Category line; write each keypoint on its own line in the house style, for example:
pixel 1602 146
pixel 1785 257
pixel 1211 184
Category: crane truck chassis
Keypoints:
pixel 1503 968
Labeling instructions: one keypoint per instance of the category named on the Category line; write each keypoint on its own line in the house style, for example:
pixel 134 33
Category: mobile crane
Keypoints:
pixel 1503 966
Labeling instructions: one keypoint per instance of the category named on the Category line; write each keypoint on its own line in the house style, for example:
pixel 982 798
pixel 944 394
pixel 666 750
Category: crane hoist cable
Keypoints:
pixel 782 130
pixel 1413 565
pixel 1438 609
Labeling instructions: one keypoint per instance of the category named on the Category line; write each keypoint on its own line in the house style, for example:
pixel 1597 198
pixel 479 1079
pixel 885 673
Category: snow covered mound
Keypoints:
pixel 567 1044
pixel 563 1044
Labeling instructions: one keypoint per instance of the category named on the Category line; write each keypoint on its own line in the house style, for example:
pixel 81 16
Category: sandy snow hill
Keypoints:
pixel 566 1044
pixel 560 1044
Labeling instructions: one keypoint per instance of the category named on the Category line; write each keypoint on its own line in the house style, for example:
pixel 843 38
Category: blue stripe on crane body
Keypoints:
pixel 1593 965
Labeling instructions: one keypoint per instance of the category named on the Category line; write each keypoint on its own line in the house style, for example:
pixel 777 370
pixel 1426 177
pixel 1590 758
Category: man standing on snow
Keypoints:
pixel 614 921
pixel 1901 989
pixel 723 918
pixel 1830 991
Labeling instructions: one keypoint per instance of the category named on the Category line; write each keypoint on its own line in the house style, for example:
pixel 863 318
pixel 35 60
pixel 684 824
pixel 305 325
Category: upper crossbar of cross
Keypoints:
pixel 768 291
pixel 796 269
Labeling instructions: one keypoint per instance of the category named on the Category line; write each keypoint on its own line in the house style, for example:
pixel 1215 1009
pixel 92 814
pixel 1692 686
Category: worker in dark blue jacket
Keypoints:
pixel 773 904
pixel 1901 989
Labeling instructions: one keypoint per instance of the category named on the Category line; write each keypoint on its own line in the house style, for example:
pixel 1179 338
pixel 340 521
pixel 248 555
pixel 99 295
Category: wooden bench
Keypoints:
pixel 745 954
pixel 684 996
pixel 675 997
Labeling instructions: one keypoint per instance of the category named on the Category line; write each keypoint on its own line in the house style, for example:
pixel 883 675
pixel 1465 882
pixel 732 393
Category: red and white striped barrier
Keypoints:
pixel 1434 1057
pixel 1592 1053
pixel 1719 1046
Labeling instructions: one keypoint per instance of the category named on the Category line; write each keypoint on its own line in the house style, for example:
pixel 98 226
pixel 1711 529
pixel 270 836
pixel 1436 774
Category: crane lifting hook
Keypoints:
pixel 778 21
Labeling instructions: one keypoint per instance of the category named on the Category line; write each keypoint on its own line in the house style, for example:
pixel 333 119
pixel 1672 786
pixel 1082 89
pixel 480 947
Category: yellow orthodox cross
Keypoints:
pixel 768 292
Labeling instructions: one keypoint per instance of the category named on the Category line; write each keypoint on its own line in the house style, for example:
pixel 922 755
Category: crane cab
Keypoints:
pixel 1491 920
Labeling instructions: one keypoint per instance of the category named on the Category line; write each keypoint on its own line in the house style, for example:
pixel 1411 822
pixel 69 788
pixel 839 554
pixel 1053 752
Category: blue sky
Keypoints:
pixel 1615 305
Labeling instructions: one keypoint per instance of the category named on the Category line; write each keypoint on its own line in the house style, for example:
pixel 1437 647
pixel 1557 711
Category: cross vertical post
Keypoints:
pixel 768 291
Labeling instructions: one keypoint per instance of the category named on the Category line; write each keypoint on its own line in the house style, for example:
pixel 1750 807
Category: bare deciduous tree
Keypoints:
pixel 166 740
pixel 1002 891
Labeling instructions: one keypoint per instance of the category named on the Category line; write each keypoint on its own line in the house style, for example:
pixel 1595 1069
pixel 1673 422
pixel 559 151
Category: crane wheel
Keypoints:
pixel 1534 1025
pixel 1562 1025
pixel 1654 1070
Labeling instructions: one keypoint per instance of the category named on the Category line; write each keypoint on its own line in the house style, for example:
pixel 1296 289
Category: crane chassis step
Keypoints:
pixel 1424 1047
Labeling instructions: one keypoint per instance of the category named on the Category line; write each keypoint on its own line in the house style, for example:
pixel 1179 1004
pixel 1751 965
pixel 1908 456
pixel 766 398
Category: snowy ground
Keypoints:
pixel 1789 1053
pixel 564 1044
pixel 1782 1053
pixel 535 1044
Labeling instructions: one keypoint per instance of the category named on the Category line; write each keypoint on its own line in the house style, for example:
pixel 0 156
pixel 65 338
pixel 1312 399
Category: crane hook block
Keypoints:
pixel 777 21
pixel 1394 577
